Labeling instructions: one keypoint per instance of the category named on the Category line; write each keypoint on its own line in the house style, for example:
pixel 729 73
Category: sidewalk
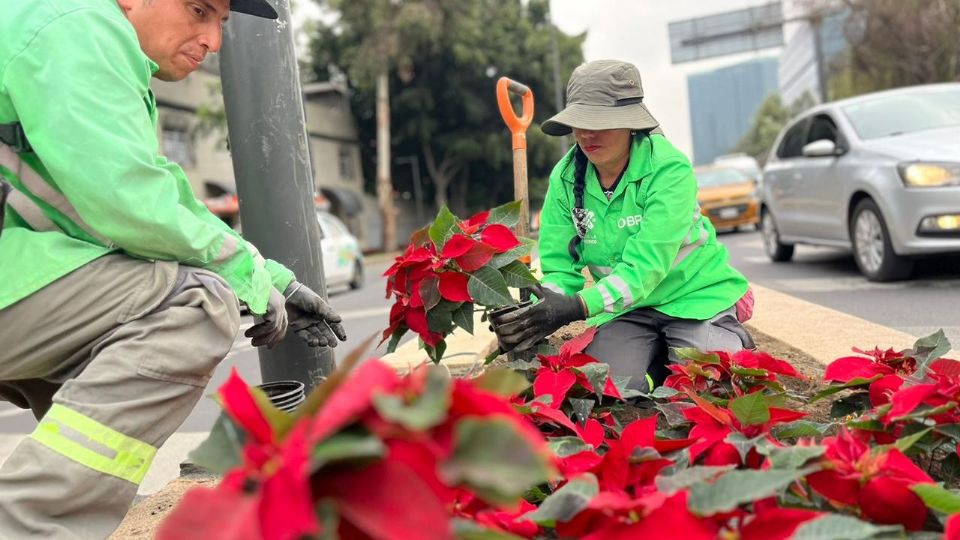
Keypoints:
pixel 820 332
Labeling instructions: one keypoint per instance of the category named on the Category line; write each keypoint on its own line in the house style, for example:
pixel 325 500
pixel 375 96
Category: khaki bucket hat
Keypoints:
pixel 604 94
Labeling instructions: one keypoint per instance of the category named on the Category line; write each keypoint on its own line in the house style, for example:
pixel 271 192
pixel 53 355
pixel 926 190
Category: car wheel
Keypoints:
pixel 872 248
pixel 777 251
pixel 357 280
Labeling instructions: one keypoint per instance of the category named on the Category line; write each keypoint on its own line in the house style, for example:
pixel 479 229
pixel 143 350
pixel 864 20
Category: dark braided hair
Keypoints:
pixel 579 214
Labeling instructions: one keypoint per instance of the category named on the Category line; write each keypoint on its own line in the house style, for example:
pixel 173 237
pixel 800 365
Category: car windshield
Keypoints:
pixel 719 177
pixel 905 112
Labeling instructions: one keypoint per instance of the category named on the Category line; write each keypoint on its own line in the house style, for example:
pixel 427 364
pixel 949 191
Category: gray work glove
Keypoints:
pixel 312 318
pixel 522 328
pixel 272 326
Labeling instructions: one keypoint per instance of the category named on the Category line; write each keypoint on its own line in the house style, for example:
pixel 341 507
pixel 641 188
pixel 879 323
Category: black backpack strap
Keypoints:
pixel 13 136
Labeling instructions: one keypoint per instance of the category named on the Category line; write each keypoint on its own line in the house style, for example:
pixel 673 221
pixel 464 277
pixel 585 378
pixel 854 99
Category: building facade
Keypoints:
pixel 723 102
pixel 205 157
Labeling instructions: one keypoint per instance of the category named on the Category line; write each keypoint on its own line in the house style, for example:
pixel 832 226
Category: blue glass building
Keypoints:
pixel 723 103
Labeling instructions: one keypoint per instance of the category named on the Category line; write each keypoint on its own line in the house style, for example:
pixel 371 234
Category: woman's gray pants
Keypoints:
pixel 641 340
pixel 111 358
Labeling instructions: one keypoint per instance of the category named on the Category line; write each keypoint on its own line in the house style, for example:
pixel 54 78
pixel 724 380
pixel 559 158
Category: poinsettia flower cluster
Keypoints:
pixel 448 267
pixel 388 456
pixel 728 375
pixel 874 481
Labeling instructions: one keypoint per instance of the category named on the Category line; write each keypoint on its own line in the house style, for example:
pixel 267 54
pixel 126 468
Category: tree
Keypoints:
pixel 770 118
pixel 375 37
pixel 443 101
pixel 895 43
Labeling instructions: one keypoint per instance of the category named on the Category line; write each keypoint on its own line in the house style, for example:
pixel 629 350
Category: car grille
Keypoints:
pixel 716 212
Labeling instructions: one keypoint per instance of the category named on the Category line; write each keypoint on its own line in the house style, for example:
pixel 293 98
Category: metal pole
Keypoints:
pixel 816 23
pixel 417 189
pixel 271 163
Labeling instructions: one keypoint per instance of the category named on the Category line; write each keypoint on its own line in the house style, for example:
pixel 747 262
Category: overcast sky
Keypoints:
pixel 635 31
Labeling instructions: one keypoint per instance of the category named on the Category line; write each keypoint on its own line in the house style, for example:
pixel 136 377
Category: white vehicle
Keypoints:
pixel 342 258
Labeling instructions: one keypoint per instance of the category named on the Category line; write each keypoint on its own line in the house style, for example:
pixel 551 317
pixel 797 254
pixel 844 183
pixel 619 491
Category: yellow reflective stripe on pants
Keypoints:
pixel 94 445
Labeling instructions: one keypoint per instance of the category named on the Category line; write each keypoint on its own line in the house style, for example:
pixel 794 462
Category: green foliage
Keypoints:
pixel 494 460
pixel 487 287
pixel 771 117
pixel 566 502
pixel 444 59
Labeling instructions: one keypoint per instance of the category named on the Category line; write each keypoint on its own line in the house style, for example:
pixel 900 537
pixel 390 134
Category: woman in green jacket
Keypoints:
pixel 623 204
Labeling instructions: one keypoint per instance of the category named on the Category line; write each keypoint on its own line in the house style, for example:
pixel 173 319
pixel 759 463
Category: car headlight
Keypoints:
pixel 930 174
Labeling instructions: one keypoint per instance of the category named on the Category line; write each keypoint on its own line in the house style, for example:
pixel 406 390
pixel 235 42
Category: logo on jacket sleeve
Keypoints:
pixel 583 220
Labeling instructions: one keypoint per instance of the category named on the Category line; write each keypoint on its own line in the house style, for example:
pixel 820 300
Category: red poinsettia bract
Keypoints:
pixel 876 480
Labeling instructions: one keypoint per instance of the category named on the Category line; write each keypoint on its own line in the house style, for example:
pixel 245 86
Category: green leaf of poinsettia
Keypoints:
pixel 435 353
pixel 800 428
pixel 568 446
pixel 581 408
pixel 904 443
pixel 525 248
pixel 927 349
pixel 222 449
pixel 492 458
pixel 442 228
pixel 597 374
pixel 566 502
pixel 751 409
pixel 791 457
pixel 690 476
pixel 346 446
pixel 696 355
pixel 938 498
pixel 430 292
pixel 487 288
pixel 505 214
pixel 738 487
pixel 516 274
pixel 465 529
pixel 832 526
pixel 852 383
pixel 427 411
pixel 440 320
pixel 503 382
pixel 395 340
pixel 463 317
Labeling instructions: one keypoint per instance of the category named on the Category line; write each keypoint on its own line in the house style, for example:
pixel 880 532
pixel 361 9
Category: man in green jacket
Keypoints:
pixel 118 289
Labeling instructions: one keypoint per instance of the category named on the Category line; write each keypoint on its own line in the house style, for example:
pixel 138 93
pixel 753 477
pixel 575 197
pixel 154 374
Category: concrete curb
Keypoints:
pixel 823 333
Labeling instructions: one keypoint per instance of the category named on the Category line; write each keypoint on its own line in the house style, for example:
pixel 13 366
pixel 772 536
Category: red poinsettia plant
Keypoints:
pixel 370 454
pixel 451 267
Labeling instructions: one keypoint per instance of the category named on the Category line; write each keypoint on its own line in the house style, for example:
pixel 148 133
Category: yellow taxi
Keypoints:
pixel 727 196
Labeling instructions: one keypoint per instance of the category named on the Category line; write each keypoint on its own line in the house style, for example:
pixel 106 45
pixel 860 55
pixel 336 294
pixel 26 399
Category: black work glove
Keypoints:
pixel 522 328
pixel 272 326
pixel 311 318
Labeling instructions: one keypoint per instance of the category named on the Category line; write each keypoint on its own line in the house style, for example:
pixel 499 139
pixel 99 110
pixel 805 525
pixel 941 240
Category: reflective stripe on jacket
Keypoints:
pixel 648 246
pixel 73 75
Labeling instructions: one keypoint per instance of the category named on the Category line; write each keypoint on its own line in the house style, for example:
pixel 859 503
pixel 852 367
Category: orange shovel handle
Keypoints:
pixel 518 124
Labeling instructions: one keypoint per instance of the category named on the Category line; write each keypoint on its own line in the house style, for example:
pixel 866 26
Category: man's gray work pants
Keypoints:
pixel 111 358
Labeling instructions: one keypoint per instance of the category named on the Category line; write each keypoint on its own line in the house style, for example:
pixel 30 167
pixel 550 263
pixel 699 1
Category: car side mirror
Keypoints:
pixel 821 148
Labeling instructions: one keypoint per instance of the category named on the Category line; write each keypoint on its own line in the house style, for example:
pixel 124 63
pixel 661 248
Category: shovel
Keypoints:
pixel 518 128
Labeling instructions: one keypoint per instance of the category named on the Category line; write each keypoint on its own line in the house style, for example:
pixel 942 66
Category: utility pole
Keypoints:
pixel 271 162
pixel 384 183
pixel 414 162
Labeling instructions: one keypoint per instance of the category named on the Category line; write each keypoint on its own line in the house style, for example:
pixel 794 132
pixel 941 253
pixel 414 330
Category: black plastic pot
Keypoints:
pixel 285 395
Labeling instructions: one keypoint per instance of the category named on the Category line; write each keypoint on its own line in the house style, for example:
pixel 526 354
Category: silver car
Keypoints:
pixel 878 173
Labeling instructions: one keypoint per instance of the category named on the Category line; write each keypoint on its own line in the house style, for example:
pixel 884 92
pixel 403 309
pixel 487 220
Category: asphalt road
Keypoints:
pixel 829 277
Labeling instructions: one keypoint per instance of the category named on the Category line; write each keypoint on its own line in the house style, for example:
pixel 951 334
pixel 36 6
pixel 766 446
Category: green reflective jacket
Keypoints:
pixel 648 246
pixel 73 75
